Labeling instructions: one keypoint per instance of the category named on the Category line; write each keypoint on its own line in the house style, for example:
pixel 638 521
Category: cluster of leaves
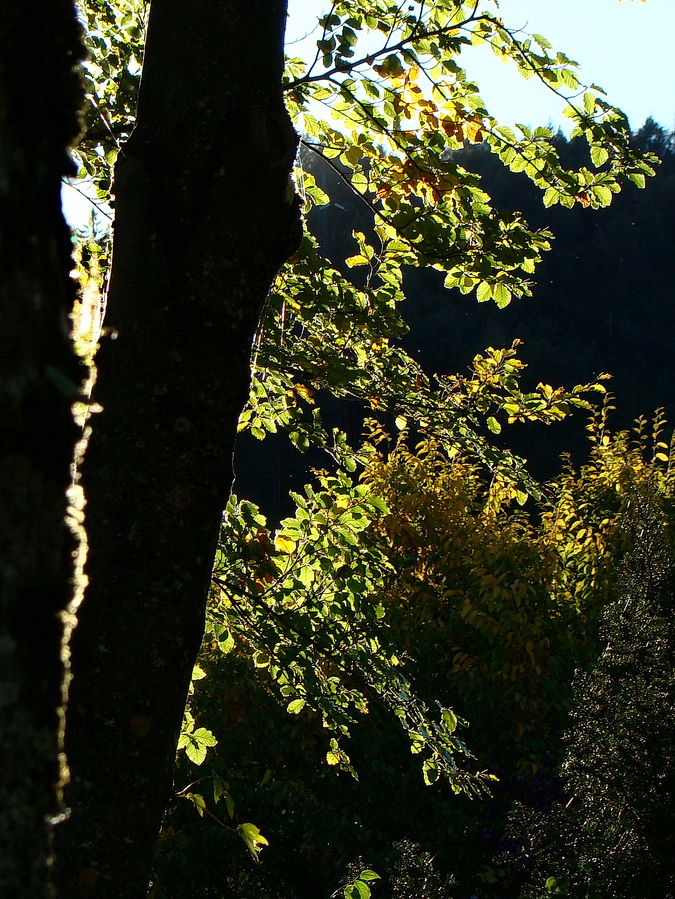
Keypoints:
pixel 519 596
pixel 322 332
pixel 315 601
pixel 388 75
pixel 403 106
pixel 114 35
pixel 195 740
pixel 360 887
pixel 304 604
pixel 483 606
pixel 582 318
pixel 393 144
pixel 309 604
pixel 478 600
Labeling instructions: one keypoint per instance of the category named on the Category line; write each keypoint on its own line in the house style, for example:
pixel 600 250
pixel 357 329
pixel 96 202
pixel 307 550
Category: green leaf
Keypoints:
pixel 198 801
pixel 205 736
pixel 195 751
pixel 224 639
pixel 430 772
pixel 220 788
pixel 551 196
pixel 502 295
pixel 295 707
pixel 253 839
pixel 494 425
pixel 603 194
pixel 378 503
pixel 484 292
pixel 357 890
pixel 449 720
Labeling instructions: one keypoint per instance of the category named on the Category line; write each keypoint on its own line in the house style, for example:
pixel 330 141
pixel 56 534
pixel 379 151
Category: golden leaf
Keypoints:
pixel 284 544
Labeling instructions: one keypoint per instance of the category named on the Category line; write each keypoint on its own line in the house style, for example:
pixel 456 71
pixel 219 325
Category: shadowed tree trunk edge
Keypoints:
pixel 40 97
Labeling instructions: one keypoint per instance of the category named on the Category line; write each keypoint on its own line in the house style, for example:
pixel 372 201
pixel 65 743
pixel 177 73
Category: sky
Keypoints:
pixel 625 47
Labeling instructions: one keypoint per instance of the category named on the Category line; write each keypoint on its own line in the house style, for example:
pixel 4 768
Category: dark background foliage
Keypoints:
pixel 610 836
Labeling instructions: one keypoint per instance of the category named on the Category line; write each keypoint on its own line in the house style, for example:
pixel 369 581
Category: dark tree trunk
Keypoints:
pixel 39 377
pixel 204 219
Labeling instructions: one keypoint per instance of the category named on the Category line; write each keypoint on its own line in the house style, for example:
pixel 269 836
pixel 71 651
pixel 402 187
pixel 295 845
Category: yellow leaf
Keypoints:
pixel 305 392
pixel 474 131
pixel 351 261
pixel 284 544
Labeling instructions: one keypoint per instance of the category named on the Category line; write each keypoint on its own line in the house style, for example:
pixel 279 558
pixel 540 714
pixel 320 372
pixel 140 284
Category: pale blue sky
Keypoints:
pixel 625 47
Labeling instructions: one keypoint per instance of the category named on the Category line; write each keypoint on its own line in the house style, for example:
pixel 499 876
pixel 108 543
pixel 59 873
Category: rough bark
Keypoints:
pixel 204 219
pixel 39 101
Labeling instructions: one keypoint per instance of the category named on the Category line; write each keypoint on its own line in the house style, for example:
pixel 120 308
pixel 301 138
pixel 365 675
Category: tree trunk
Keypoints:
pixel 39 377
pixel 204 219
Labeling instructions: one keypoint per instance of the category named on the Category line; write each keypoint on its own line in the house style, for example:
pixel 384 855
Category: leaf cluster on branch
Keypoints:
pixel 385 102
